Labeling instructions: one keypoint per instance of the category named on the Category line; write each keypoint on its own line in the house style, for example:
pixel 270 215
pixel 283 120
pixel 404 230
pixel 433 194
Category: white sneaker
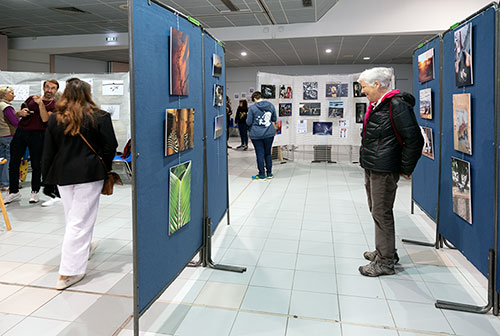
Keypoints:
pixel 51 202
pixel 12 197
pixel 34 197
pixel 63 284
pixel 93 247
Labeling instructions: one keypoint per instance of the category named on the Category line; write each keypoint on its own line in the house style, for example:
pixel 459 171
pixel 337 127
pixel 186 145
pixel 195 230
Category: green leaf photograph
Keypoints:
pixel 180 196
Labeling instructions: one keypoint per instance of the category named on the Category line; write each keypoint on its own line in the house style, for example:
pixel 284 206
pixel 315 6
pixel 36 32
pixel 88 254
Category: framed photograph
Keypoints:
pixel 310 109
pixel 426 66
pixel 360 112
pixel 179 198
pixel 425 103
pixel 277 127
pixel 310 90
pixel 463 55
pixel 285 109
pixel 217 66
pixel 336 109
pixel 322 128
pixel 179 130
pixel 268 91
pixel 285 92
pixel 428 149
pixel 179 63
pixel 218 95
pixel 218 126
pixel 462 129
pixel 336 90
pixel 461 188
pixel 356 89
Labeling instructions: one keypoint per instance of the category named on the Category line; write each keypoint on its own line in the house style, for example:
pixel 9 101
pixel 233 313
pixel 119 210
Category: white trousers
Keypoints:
pixel 80 202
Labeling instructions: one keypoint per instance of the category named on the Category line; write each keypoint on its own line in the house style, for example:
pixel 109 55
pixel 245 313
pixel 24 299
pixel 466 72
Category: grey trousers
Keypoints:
pixel 381 192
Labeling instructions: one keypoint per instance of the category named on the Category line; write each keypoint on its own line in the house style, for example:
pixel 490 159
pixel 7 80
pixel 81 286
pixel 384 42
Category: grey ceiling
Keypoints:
pixel 26 18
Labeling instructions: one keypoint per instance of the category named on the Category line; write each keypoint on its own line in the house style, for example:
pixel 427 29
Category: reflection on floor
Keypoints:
pixel 301 237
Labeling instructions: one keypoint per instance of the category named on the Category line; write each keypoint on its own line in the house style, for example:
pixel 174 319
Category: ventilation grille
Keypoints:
pixel 307 3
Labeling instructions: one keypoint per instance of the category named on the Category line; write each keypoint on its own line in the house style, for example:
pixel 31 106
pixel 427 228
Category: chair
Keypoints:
pixel 126 162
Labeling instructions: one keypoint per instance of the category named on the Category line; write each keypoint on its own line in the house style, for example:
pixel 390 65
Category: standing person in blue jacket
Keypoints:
pixel 260 118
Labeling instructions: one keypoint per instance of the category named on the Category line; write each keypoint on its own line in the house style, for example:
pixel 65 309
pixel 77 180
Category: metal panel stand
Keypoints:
pixel 323 153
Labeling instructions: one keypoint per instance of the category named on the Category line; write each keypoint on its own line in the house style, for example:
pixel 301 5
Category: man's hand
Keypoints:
pixel 24 112
pixel 38 100
pixel 408 177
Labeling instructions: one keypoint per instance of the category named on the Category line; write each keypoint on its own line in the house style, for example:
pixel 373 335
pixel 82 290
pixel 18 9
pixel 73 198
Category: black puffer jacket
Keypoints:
pixel 381 151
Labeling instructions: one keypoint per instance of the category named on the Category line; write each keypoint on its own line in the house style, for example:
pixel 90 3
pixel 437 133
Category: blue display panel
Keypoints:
pixel 425 178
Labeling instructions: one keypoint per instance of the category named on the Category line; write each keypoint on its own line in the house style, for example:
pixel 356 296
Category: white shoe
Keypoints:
pixel 63 284
pixel 34 198
pixel 51 202
pixel 12 197
pixel 93 247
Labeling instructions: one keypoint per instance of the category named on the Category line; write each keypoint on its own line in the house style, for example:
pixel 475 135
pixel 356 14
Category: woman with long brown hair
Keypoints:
pixel 71 164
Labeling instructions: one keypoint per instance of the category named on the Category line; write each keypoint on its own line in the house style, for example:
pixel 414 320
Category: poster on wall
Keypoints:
pixel 343 133
pixel 462 130
pixel 461 188
pixel 286 91
pixel 310 90
pixel 426 66
pixel 217 66
pixel 112 88
pixel 360 112
pixel 219 123
pixel 310 109
pixel 463 55
pixel 179 63
pixel 425 103
pixel 179 130
pixel 356 89
pixel 302 126
pixel 322 128
pixel 114 110
pixel 277 127
pixel 336 109
pixel 268 91
pixel 22 92
pixel 428 149
pixel 179 200
pixel 336 90
pixel 285 109
pixel 218 95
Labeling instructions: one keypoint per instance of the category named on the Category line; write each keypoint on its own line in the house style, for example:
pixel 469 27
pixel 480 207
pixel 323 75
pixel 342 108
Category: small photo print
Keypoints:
pixel 461 188
pixel 425 104
pixel 428 149
pixel 218 126
pixel 310 109
pixel 179 130
pixel 336 109
pixel 277 127
pixel 285 91
pixel 360 112
pixel 217 66
pixel 322 128
pixel 336 90
pixel 426 66
pixel 462 131
pixel 343 133
pixel 179 199
pixel 463 55
pixel 356 89
pixel 218 95
pixel 268 91
pixel 285 109
pixel 310 90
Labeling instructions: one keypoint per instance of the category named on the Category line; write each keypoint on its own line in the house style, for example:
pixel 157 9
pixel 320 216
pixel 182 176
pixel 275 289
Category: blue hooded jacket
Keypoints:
pixel 259 118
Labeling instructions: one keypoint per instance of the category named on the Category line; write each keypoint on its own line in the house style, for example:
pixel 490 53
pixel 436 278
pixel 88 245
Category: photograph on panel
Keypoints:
pixel 218 95
pixel 425 107
pixel 301 126
pixel 286 91
pixel 179 213
pixel 336 109
pixel 461 188
pixel 179 63
pixel 356 90
pixel 268 91
pixel 343 133
pixel 322 128
pixel 277 127
pixel 462 130
pixel 463 55
pixel 310 90
pixel 426 66
pixel 179 130
pixel 360 112
pixel 310 109
pixel 336 90
pixel 217 66
pixel 218 124
pixel 285 109
pixel 428 149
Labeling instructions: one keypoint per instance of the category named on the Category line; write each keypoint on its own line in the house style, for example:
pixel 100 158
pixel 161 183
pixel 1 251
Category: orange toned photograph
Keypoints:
pixel 179 63
pixel 426 66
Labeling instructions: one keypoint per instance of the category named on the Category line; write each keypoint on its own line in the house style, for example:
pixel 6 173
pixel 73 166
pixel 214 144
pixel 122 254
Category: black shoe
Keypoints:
pixel 375 269
pixel 372 255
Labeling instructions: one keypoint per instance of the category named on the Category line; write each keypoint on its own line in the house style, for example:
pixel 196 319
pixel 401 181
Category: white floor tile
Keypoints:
pixel 37 326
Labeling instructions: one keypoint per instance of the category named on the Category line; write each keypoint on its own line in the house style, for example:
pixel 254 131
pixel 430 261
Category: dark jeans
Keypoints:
pixel 33 140
pixel 243 133
pixel 381 192
pixel 263 153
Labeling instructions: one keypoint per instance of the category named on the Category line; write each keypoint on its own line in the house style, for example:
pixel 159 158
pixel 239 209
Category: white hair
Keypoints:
pixel 4 90
pixel 381 75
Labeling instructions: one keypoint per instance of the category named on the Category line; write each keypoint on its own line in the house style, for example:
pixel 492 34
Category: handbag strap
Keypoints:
pixel 100 158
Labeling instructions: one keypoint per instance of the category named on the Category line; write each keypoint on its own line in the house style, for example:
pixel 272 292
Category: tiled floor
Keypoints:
pixel 301 237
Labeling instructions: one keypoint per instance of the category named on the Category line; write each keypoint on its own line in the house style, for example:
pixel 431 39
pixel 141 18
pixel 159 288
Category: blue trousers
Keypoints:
pixel 263 153
pixel 5 152
pixel 243 128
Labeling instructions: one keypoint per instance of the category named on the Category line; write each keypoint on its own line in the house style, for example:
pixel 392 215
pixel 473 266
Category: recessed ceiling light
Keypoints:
pixel 366 58
pixel 123 6
pixel 328 50
pixel 244 53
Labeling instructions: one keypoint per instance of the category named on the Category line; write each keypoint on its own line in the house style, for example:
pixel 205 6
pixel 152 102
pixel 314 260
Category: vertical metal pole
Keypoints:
pixel 205 247
pixel 496 118
pixel 227 155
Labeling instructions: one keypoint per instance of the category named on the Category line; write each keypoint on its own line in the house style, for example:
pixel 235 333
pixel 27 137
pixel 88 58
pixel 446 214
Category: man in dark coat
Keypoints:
pixel 391 146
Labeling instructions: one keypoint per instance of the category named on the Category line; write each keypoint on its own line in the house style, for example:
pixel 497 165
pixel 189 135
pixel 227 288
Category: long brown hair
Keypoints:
pixel 76 103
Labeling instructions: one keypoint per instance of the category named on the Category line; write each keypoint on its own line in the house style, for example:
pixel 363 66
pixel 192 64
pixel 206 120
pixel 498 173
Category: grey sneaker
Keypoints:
pixel 375 269
pixel 12 197
pixel 372 255
pixel 34 198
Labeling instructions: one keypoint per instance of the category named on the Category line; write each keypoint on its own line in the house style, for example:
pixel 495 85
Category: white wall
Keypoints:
pixel 79 65
pixel 21 60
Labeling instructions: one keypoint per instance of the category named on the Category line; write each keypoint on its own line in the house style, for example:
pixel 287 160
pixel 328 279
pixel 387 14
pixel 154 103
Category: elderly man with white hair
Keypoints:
pixel 391 146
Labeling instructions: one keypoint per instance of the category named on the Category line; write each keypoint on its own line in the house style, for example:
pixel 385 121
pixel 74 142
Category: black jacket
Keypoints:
pixel 69 160
pixel 381 151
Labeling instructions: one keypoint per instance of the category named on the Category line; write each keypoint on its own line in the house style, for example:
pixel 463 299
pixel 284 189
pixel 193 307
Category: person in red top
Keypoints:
pixel 30 134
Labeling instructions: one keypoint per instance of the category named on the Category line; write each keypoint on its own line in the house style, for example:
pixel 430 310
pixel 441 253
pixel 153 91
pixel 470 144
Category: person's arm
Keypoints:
pixel 24 111
pixel 273 114
pixel 10 114
pixel 249 117
pixel 44 115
